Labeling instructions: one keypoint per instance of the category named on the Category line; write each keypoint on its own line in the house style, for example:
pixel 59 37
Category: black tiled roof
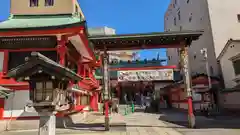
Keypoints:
pixel 37 61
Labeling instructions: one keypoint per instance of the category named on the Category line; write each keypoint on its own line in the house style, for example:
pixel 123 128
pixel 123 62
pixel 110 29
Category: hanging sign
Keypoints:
pixel 145 75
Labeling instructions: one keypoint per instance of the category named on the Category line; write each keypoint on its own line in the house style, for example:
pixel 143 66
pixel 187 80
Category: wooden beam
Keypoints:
pixel 42 32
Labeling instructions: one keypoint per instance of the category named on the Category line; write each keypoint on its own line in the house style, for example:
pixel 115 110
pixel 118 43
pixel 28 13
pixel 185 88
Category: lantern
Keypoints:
pixel 48 82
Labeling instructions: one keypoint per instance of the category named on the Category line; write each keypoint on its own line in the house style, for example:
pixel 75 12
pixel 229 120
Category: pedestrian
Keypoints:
pixel 148 103
pixel 125 98
pixel 141 100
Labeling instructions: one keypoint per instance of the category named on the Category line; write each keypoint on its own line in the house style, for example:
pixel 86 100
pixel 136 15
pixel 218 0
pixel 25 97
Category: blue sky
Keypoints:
pixel 126 16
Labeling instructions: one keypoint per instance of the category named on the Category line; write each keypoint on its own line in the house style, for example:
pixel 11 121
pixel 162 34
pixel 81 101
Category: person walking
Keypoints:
pixel 141 100
pixel 125 98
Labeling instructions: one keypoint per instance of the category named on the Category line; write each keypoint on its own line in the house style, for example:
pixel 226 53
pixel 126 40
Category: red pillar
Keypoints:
pixel 190 108
pixel 5 61
pixel 62 50
pixel 1 108
pixel 94 101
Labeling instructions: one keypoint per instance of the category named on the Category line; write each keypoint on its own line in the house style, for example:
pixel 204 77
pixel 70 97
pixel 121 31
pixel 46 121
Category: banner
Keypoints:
pixel 145 75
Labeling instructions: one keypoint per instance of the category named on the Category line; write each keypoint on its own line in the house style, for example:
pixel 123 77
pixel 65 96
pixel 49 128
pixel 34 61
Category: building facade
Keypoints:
pixel 115 55
pixel 229 59
pixel 219 20
pixel 56 29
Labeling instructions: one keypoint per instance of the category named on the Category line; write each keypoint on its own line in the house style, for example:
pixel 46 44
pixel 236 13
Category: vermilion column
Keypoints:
pixel 94 101
pixel 5 61
pixel 62 50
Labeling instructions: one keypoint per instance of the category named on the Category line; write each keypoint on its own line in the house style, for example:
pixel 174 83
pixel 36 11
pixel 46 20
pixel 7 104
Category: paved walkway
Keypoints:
pixel 147 124
pixel 139 123
pixel 207 126
pixel 133 124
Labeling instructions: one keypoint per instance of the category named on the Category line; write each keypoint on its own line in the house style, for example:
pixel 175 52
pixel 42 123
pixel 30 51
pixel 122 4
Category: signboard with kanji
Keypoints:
pixel 145 75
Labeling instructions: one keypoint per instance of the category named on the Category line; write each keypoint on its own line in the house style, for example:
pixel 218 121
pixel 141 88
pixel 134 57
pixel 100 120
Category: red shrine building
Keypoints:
pixel 56 29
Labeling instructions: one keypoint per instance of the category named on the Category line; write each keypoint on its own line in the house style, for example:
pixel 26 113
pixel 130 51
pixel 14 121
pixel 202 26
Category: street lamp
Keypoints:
pixel 205 55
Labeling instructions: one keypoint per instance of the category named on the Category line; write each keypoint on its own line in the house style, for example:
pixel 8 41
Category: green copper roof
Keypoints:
pixel 140 41
pixel 137 64
pixel 38 21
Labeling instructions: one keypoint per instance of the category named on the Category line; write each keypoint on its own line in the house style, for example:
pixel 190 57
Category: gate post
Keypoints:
pixel 106 88
pixel 187 80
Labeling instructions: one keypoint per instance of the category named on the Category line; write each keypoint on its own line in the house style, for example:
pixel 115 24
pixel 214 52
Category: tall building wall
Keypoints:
pixel 114 55
pixel 40 7
pixel 207 15
pixel 224 21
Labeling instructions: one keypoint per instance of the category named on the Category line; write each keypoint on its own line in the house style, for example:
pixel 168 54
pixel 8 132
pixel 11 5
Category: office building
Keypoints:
pixel 115 55
pixel 220 21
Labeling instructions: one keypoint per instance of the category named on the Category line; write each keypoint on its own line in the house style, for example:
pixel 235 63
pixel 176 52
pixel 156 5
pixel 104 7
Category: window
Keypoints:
pixel 33 3
pixel 238 16
pixel 211 70
pixel 195 56
pixel 188 1
pixel 169 58
pixel 175 2
pixel 236 66
pixel 49 2
pixel 175 21
pixel 190 19
pixel 179 15
pixel 43 91
pixel 76 8
pixel 178 52
pixel 85 100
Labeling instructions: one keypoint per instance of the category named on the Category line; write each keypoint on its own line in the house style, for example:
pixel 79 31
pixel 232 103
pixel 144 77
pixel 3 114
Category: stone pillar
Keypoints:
pixel 106 88
pixel 47 124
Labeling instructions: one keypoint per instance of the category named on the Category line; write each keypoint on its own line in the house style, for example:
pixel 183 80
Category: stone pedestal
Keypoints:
pixel 47 124
pixel 107 125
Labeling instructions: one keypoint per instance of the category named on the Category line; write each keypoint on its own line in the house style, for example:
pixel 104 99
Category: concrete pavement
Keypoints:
pixel 133 124
pixel 208 126
pixel 140 123
pixel 147 124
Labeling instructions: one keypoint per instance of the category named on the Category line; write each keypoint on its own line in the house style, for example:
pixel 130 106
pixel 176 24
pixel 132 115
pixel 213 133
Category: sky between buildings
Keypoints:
pixel 126 16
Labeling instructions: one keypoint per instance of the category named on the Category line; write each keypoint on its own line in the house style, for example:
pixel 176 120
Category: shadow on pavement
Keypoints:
pixel 180 119
pixel 69 124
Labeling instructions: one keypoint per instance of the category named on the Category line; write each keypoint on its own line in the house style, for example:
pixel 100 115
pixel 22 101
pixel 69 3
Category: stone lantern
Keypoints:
pixel 48 83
